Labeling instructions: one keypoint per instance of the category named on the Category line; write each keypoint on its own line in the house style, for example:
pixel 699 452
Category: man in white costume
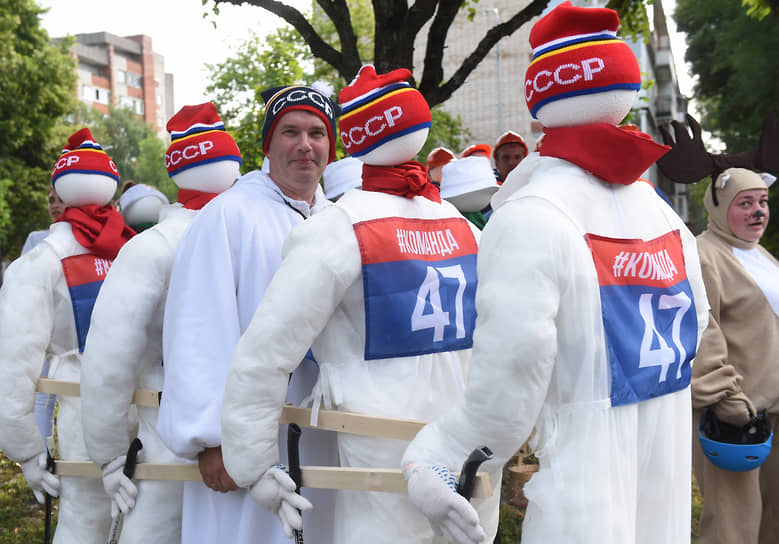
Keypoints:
pixel 222 266
pixel 119 359
pixel 386 304
pixel 590 305
pixel 45 308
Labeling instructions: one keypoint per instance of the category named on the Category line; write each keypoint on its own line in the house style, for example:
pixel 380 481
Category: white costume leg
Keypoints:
pixel 84 507
pixel 664 484
pixel 156 517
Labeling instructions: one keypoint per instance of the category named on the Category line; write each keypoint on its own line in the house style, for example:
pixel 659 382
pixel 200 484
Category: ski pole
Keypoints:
pixel 293 456
pixel 129 471
pixel 468 472
pixel 51 467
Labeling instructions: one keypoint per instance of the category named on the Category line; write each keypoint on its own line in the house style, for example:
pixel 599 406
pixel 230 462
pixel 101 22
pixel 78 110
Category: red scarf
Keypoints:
pixel 100 229
pixel 194 200
pixel 613 154
pixel 408 179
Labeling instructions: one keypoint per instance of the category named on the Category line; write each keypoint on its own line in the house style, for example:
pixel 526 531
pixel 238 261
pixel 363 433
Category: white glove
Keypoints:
pixel 275 491
pixel 119 487
pixel 39 479
pixel 434 491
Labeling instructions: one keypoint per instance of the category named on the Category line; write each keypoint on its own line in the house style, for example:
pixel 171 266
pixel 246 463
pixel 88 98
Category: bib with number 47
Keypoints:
pixel 649 315
pixel 419 279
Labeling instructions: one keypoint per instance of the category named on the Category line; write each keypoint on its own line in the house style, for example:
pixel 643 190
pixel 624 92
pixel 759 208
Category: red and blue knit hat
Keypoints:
pixel 376 109
pixel 83 155
pixel 576 52
pixel 197 137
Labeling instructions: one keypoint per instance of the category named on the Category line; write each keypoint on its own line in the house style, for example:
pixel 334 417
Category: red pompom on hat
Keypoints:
pixel 576 52
pixel 439 157
pixel 198 137
pixel 376 109
pixel 509 137
pixel 83 155
pixel 476 148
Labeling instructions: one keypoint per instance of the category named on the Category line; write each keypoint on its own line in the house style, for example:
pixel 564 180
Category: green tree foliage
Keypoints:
pixel 150 166
pixel 761 9
pixel 735 57
pixel 37 87
pixel 283 58
pixel 235 86
pixel 131 143
pixel 396 26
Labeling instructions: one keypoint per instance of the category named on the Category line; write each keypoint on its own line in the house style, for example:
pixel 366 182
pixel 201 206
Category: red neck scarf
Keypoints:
pixel 100 229
pixel 408 179
pixel 613 154
pixel 194 200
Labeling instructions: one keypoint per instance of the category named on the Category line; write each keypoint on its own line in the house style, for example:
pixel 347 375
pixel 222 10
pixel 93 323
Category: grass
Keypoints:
pixel 22 518
pixel 510 528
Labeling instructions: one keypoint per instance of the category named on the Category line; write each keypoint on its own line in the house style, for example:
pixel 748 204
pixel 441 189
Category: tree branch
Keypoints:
pixel 338 12
pixel 437 95
pixel 319 48
pixel 436 42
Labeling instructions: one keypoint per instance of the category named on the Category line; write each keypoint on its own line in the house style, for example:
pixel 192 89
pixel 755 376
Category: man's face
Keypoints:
pixel 507 157
pixel 298 152
pixel 748 214
pixel 56 206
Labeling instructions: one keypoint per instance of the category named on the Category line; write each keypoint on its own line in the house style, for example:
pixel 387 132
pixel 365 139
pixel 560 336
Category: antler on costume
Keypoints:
pixel 688 161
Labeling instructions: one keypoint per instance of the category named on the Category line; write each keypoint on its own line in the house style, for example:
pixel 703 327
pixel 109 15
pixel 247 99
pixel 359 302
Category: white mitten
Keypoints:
pixel 275 491
pixel 39 479
pixel 119 487
pixel 434 491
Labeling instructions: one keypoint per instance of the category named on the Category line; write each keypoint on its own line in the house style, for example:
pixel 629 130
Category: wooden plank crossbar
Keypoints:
pixel 141 397
pixel 351 478
pixel 329 420
pixel 353 423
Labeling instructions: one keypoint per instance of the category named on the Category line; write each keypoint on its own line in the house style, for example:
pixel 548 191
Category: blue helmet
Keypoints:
pixel 735 448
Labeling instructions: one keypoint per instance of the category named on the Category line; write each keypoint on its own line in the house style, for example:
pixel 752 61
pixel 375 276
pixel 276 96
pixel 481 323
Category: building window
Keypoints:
pixel 131 79
pixel 91 93
pixel 103 96
pixel 135 104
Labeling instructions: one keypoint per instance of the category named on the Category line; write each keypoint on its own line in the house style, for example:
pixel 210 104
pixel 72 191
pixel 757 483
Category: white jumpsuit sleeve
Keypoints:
pixel 117 341
pixel 321 260
pixel 524 257
pixel 27 317
pixel 200 330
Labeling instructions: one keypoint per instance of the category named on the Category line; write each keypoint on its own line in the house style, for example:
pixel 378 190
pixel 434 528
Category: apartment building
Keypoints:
pixel 492 99
pixel 124 72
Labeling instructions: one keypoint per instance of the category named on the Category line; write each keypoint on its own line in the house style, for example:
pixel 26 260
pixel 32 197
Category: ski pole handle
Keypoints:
pixel 293 454
pixel 293 457
pixel 51 467
pixel 129 470
pixel 468 472
pixel 132 457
